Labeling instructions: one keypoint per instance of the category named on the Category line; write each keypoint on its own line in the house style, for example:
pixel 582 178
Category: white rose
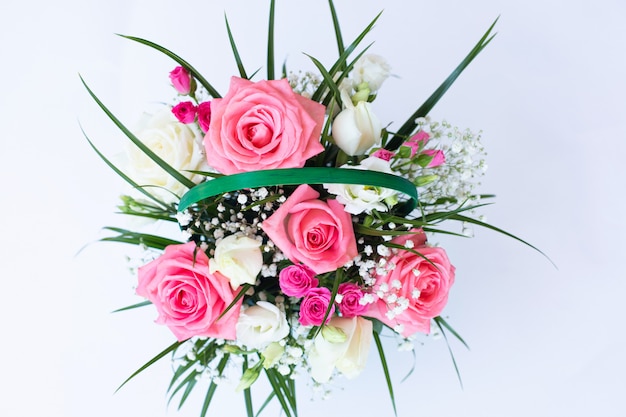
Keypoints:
pixel 372 69
pixel 261 324
pixel 358 198
pixel 175 143
pixel 356 128
pixel 238 258
pixel 348 356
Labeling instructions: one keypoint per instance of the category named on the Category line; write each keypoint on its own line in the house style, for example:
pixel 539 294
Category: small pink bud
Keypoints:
pixel 438 158
pixel 383 154
pixel 181 80
pixel 185 112
pixel 420 137
pixel 204 115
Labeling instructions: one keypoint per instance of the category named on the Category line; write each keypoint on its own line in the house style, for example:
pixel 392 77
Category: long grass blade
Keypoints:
pixel 121 174
pixel 158 160
pixel 270 43
pixel 445 337
pixel 337 27
pixel 167 350
pixel 265 403
pixel 381 353
pixel 247 393
pixel 131 307
pixel 407 128
pixel 242 71
pixel 462 218
pixel 317 95
pixel 280 396
pixel 135 238
pixel 211 391
pixel 194 73
pixel 441 322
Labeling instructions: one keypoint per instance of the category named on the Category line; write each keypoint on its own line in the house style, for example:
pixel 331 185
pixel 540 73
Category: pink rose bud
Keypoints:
pixel 314 306
pixel 417 141
pixel 350 305
pixel 185 112
pixel 384 154
pixel 204 115
pixel 438 158
pixel 297 280
pixel 181 80
pixel 420 137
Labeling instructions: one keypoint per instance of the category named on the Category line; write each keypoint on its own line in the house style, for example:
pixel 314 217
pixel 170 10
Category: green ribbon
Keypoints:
pixel 297 176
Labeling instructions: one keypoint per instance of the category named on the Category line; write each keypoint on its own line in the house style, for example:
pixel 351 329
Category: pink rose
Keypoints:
pixel 438 158
pixel 187 297
pixel 351 295
pixel 297 280
pixel 204 115
pixel 384 154
pixel 262 125
pixel 417 141
pixel 316 233
pixel 181 80
pixel 416 290
pixel 185 112
pixel 314 306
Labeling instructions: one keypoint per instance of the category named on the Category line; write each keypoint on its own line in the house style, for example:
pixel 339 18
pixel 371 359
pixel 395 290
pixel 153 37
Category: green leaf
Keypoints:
pixel 273 377
pixel 158 160
pixel 134 238
pixel 142 304
pixel 194 73
pixel 240 294
pixel 213 386
pixel 188 383
pixel 242 71
pixel 333 295
pixel 441 322
pixel 265 403
pixel 381 353
pixel 121 174
pixel 340 47
pixel 456 368
pixel 167 350
pixel 270 43
pixel 328 78
pixel 247 394
pixel 410 125
pixel 462 218
pixel 340 63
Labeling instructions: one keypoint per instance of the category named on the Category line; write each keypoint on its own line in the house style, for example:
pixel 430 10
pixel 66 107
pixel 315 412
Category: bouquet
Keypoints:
pixel 306 222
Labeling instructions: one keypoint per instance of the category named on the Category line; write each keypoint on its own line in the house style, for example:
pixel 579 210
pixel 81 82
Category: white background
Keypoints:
pixel 548 93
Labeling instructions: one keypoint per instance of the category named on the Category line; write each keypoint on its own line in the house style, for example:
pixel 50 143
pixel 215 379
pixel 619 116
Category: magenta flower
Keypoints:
pixel 185 112
pixel 314 306
pixel 204 115
pixel 384 154
pixel 181 80
pixel 297 280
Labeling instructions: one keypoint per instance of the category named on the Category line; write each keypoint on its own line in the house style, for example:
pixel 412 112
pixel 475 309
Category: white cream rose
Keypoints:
pixel 175 143
pixel 356 128
pixel 372 69
pixel 238 258
pixel 346 354
pixel 261 324
pixel 364 198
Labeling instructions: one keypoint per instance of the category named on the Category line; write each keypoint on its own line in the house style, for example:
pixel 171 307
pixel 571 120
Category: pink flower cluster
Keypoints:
pixel 266 125
pixel 186 112
pixel 299 281
pixel 417 143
